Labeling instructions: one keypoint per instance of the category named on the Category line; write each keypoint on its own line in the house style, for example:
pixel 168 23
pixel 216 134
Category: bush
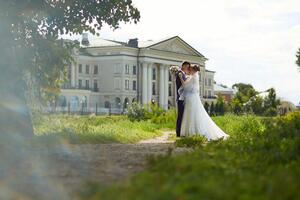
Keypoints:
pixel 137 112
pixel 166 119
pixel 271 112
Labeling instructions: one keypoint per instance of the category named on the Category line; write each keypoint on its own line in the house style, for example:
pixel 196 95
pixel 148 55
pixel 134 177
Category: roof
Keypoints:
pixel 218 87
pixel 100 42
pixel 151 43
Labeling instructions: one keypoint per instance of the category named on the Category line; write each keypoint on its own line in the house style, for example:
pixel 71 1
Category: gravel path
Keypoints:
pixel 56 172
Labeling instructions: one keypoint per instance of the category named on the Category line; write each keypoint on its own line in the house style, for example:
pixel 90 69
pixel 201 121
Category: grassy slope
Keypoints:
pixel 259 161
pixel 85 129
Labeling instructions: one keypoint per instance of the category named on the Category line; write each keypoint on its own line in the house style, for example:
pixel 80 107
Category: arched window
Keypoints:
pixel 118 102
pixel 62 101
pixel 74 103
pixel 84 101
pixel 126 103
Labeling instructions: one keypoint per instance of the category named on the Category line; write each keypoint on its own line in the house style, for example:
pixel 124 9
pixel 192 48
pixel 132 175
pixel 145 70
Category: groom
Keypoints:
pixel 180 103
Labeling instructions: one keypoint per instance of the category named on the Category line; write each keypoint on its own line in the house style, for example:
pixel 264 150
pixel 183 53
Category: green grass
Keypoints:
pixel 261 160
pixel 95 129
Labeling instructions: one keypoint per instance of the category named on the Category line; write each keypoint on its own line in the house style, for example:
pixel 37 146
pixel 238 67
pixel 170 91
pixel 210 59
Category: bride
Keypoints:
pixel 195 120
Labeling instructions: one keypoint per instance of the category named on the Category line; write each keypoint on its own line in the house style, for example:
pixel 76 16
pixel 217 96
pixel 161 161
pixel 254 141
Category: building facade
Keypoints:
pixel 111 75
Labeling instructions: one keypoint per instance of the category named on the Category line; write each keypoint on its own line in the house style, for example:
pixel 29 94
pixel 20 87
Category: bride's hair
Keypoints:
pixel 196 68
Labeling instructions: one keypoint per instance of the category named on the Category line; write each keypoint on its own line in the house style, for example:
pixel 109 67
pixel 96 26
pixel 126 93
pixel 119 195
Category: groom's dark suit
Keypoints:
pixel 180 103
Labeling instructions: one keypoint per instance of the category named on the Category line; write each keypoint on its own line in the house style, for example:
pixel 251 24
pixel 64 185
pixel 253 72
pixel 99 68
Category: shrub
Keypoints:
pixel 137 112
pixel 166 119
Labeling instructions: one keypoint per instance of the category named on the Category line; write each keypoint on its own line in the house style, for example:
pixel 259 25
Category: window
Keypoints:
pixel 87 84
pixel 80 83
pixel 80 68
pixel 153 89
pixel 117 83
pixel 87 69
pixel 170 90
pixel 126 69
pixel 117 68
pixel 153 73
pixel 95 85
pixel 96 69
pixel 134 85
pixel 134 70
pixel 209 82
pixel 170 77
pixel 209 93
pixel 126 84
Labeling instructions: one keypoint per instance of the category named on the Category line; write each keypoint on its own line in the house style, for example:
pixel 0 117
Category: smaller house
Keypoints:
pixel 226 92
pixel 286 107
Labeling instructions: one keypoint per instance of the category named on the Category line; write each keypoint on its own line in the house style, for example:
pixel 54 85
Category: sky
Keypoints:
pixel 249 41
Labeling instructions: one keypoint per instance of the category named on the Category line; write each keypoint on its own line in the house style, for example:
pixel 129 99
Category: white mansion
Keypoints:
pixel 112 74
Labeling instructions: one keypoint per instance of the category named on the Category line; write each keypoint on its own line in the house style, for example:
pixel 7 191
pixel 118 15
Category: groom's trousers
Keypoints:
pixel 180 108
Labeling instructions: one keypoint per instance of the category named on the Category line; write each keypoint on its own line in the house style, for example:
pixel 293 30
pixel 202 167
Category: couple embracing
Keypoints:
pixel 192 118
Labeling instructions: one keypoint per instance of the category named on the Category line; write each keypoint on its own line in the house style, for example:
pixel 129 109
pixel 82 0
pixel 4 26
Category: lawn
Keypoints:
pixel 93 129
pixel 261 160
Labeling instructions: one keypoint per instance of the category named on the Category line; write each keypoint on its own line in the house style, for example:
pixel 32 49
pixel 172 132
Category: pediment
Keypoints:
pixel 176 45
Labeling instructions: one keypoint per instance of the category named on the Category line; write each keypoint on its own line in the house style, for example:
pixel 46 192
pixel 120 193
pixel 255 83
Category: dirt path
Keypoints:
pixel 65 168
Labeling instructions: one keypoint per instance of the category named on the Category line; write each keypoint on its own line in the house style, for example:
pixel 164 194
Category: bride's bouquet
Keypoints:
pixel 174 69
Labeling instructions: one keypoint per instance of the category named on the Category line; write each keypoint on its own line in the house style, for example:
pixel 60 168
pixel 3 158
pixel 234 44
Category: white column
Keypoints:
pixel 144 83
pixel 161 86
pixel 149 84
pixel 166 86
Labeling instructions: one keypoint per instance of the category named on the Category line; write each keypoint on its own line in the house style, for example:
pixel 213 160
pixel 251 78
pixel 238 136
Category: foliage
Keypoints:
pixel 247 100
pixel 92 129
pixel 166 119
pixel 271 103
pixel 298 58
pixel 220 106
pixel 31 30
pixel 212 110
pixel 193 141
pixel 259 161
pixel 206 106
pixel 154 113
pixel 236 106
pixel 137 112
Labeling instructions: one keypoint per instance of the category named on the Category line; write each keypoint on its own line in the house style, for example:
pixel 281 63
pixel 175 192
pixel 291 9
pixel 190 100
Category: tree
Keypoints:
pixel 241 100
pixel 256 105
pixel 236 106
pixel 30 49
pixel 206 106
pixel 271 102
pixel 220 105
pixel 212 109
pixel 298 58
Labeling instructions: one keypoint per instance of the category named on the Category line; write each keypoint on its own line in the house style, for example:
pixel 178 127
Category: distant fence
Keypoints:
pixel 83 109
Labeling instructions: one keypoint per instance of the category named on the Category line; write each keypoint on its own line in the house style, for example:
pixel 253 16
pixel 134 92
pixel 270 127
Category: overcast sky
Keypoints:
pixel 250 41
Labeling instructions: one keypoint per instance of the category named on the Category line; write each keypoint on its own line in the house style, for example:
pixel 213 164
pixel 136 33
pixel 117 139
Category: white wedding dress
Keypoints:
pixel 195 119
